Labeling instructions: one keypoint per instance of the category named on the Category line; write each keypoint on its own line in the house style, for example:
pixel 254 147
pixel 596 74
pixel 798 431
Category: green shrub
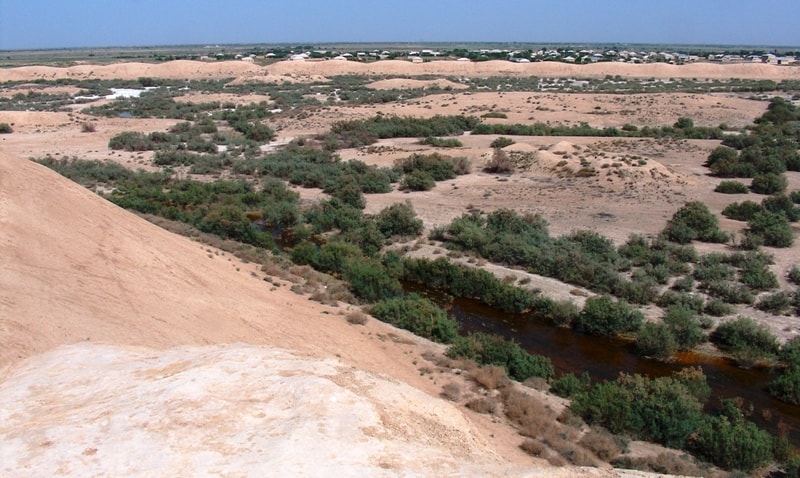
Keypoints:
pixel 602 315
pixel 745 339
pixel 718 308
pixel 563 312
pixel 656 340
pixel 729 292
pixel 305 252
pixel 473 283
pixel 782 204
pixel 488 349
pixel 694 222
pixel 417 180
pixel 6 128
pixel 501 142
pixel 731 187
pixel 769 183
pixel 494 114
pixel 399 219
pixel 130 141
pixel 438 167
pixel 771 228
pixel 665 409
pixel 682 299
pixel 417 315
pixel 684 284
pixel 369 280
pixel 684 325
pixel 732 442
pixel 777 303
pixel 794 275
pixel 569 385
pixel 743 211
pixel 441 142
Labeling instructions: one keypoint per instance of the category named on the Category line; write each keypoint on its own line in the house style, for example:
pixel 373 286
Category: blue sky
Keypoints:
pixel 93 23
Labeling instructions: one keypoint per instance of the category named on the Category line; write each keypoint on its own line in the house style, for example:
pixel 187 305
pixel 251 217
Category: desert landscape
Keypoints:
pixel 130 349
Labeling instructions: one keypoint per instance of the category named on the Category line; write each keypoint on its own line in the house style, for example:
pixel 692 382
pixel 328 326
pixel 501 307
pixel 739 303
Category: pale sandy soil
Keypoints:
pixel 80 270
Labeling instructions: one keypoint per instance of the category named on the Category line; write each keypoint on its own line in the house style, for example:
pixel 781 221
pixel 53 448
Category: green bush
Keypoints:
pixel 569 385
pixel 665 409
pixel 745 339
pixel 773 229
pixel 399 219
pixel 731 187
pixel 130 141
pixel 563 312
pixel 656 340
pixel 473 283
pixel 369 279
pixel 501 142
pixel 694 222
pixel 6 128
pixel 729 292
pixel 417 180
pixel 794 275
pixel 718 308
pixel 488 349
pixel 441 142
pixel 743 211
pixel 417 315
pixel 684 325
pixel 786 386
pixel 732 442
pixel 782 204
pixel 495 114
pixel 602 315
pixel 438 167
pixel 769 183
pixel 777 303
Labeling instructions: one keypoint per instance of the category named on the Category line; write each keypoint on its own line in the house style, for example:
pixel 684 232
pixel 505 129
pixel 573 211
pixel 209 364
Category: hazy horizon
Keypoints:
pixel 47 24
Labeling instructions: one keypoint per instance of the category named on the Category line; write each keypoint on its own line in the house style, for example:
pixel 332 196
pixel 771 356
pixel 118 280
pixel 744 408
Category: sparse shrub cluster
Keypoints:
pixel 501 142
pixel 441 142
pixel 584 129
pixel 356 133
pixel 421 171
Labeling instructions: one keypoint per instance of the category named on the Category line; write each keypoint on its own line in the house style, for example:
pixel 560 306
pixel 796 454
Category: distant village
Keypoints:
pixel 565 55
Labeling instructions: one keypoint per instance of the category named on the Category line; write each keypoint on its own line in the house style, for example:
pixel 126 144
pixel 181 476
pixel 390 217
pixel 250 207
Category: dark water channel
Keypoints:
pixel 604 358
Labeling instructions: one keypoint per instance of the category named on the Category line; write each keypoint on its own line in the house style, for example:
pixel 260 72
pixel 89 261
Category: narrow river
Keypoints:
pixel 605 358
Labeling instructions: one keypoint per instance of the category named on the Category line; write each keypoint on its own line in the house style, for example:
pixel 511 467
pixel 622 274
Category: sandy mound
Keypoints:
pixel 613 170
pixel 102 411
pixel 407 84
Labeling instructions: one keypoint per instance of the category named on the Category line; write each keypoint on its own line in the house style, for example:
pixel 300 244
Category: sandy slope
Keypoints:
pixel 224 69
pixel 78 270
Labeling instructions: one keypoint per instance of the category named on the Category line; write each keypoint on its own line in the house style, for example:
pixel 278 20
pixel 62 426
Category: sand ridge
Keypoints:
pixel 187 69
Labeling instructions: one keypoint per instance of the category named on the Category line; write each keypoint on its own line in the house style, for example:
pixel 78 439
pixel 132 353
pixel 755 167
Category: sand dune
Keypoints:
pixel 223 69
